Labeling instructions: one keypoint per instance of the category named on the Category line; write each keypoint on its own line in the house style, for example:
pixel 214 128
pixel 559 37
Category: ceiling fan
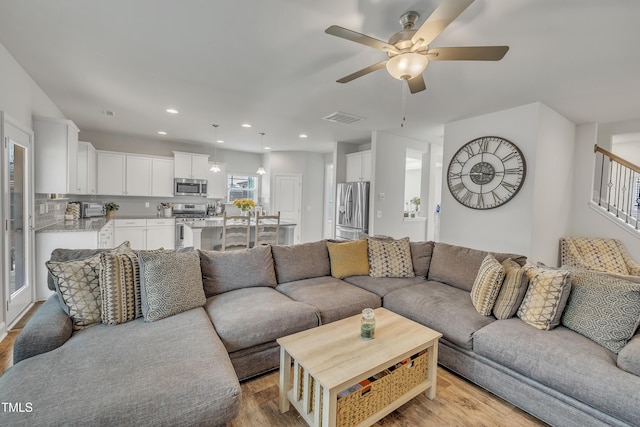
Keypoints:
pixel 408 50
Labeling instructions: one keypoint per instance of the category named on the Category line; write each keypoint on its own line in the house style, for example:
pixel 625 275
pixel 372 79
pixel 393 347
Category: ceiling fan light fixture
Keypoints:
pixel 406 66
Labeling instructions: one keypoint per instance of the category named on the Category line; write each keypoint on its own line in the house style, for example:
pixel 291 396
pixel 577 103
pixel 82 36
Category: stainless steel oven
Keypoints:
pixel 187 215
pixel 190 187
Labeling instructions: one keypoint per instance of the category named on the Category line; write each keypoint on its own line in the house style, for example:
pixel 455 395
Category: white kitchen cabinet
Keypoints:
pixel 188 165
pixel 56 155
pixel 132 230
pixel 161 233
pixel 217 185
pixel 162 177
pixel 138 175
pixel 359 166
pixel 87 168
pixel 111 173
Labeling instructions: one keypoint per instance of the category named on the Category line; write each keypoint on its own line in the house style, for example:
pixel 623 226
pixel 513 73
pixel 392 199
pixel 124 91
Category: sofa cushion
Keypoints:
pixel 252 316
pixel 382 285
pixel 78 287
pixel 390 258
pixel 512 291
pixel 302 261
pixel 564 361
pixel 174 372
pixel 421 257
pixel 602 308
pixel 348 258
pixel 487 285
pixel 546 297
pixel 245 268
pixel 441 307
pixel 170 283
pixel 334 299
pixel 458 266
pixel 629 356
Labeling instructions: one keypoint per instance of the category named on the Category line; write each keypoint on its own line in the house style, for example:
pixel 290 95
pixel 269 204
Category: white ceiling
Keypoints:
pixel 270 63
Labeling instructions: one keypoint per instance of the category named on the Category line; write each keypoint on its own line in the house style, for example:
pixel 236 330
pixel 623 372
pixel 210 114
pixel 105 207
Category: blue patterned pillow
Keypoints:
pixel 604 309
pixel 170 283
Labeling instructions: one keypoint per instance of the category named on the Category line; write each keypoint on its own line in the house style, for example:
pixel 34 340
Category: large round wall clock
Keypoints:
pixel 486 172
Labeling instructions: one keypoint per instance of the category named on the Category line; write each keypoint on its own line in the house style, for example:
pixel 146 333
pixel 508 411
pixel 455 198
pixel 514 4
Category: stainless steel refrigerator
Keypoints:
pixel 352 210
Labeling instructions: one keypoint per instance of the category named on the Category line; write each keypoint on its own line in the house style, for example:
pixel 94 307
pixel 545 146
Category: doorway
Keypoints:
pixel 287 199
pixel 17 196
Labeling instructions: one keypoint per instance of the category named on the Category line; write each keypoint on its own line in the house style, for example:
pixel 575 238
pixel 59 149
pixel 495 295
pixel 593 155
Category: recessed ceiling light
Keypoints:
pixel 303 135
pixel 108 113
pixel 267 148
pixel 172 111
pixel 161 132
pixel 220 141
pixel 246 125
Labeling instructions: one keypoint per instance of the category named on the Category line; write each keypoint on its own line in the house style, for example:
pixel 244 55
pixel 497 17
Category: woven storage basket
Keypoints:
pixel 409 375
pixel 360 405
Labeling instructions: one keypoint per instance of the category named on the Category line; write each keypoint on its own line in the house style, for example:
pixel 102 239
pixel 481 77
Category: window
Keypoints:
pixel 242 187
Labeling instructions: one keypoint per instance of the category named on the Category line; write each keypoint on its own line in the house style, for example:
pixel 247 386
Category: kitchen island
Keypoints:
pixel 207 234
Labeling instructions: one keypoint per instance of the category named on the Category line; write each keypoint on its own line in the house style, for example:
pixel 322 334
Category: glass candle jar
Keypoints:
pixel 368 324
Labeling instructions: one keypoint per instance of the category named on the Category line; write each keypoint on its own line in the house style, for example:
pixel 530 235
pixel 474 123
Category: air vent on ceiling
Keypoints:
pixel 340 117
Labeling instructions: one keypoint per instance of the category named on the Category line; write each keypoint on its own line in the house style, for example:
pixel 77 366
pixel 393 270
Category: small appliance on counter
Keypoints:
pixel 92 210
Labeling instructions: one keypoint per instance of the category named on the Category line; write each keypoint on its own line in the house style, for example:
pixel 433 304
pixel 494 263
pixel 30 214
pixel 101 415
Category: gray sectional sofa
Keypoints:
pixel 185 369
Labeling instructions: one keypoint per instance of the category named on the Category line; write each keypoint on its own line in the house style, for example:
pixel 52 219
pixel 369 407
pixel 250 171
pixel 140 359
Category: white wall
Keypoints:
pixel 387 215
pixel 311 167
pixel 587 221
pixel 533 221
pixel 20 96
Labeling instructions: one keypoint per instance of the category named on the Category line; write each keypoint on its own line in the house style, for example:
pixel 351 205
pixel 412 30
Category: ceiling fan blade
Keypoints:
pixel 364 71
pixel 344 33
pixel 439 20
pixel 467 53
pixel 417 84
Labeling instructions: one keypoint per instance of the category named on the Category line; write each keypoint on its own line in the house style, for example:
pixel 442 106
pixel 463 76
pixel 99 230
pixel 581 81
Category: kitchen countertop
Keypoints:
pixel 89 224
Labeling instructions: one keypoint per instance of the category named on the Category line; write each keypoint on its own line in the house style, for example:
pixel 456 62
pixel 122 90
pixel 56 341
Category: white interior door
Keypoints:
pixel 287 198
pixel 17 195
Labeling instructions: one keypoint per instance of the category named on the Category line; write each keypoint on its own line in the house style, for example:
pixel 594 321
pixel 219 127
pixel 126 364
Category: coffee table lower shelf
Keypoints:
pixel 321 407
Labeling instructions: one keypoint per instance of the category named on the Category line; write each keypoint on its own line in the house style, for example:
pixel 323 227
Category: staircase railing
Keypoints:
pixel 616 186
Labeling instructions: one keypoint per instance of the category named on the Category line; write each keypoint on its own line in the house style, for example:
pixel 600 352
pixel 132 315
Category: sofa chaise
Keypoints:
pixel 185 368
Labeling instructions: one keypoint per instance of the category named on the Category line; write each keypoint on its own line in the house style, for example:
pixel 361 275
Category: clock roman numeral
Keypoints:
pixel 483 145
pixel 507 186
pixel 456 188
pixel 467 149
pixel 466 197
pixel 508 157
pixel 481 200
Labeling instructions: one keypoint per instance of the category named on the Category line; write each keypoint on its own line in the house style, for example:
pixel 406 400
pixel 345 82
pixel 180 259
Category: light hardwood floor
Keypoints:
pixel 457 403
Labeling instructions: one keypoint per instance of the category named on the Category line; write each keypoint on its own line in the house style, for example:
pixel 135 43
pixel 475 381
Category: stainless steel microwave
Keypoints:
pixel 190 187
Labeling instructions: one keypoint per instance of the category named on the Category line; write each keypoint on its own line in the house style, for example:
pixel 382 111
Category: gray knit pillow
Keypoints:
pixel 170 283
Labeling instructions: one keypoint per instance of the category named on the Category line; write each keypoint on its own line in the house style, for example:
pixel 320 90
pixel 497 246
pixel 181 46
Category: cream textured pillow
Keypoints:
pixel 546 297
pixel 487 285
pixel 348 258
pixel 170 283
pixel 390 258
pixel 512 292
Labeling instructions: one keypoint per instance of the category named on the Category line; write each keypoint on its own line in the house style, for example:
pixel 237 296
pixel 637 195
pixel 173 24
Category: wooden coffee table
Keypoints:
pixel 332 358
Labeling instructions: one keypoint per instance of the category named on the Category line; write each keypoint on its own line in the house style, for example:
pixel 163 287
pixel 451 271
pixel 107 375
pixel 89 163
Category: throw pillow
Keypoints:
pixel 421 257
pixel 512 292
pixel 602 308
pixel 170 283
pixel 244 268
pixel 487 285
pixel 546 297
pixel 390 258
pixel 592 253
pixel 348 258
pixel 78 289
pixel 120 286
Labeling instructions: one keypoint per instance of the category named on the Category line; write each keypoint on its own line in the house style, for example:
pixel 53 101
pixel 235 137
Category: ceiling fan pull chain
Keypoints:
pixel 404 100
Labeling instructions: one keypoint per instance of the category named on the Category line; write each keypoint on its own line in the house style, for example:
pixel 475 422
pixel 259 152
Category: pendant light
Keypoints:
pixel 214 167
pixel 261 170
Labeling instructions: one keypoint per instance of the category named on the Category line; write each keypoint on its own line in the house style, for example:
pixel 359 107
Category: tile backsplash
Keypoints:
pixel 48 211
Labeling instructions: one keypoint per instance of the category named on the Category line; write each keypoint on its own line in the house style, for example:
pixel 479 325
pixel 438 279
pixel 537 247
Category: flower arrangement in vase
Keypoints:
pixel 244 204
